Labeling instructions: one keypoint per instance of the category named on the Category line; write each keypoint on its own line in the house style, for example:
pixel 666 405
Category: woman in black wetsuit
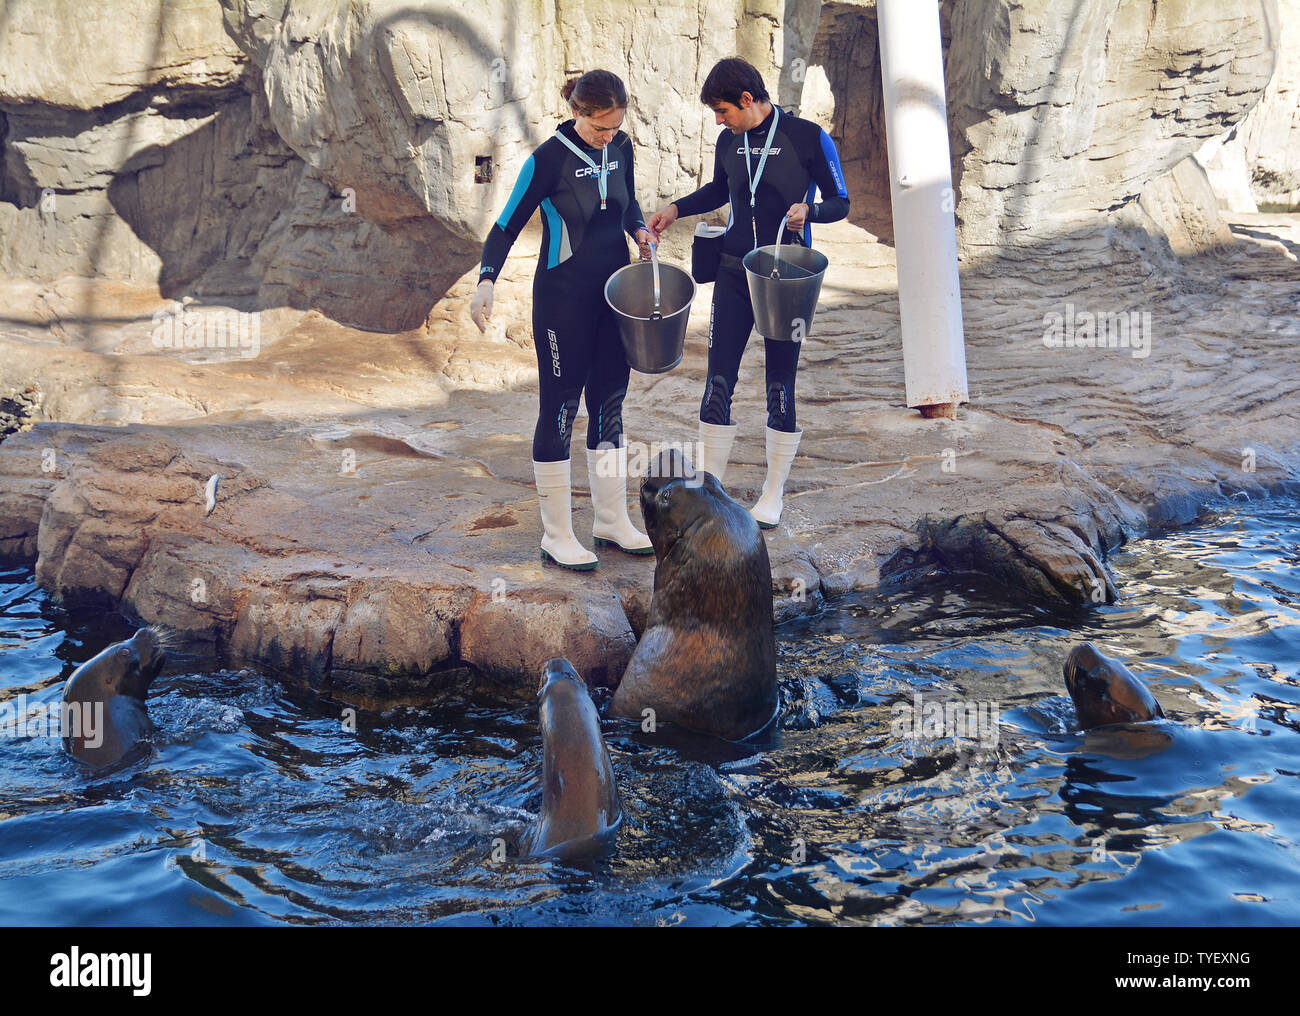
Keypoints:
pixel 582 180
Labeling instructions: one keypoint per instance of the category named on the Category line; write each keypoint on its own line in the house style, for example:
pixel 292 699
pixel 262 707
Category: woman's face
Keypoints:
pixel 599 129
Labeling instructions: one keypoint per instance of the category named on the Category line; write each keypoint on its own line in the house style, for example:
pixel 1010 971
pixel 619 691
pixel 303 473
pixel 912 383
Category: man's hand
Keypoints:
pixel 661 220
pixel 644 238
pixel 481 307
pixel 798 215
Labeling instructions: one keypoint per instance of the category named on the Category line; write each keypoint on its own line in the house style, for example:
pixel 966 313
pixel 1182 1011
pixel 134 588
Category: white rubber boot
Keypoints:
pixel 715 442
pixel 556 498
pixel 607 472
pixel 781 447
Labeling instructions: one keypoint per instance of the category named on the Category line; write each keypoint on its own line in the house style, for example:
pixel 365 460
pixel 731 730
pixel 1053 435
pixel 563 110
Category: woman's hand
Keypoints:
pixel 798 215
pixel 661 220
pixel 481 307
pixel 644 238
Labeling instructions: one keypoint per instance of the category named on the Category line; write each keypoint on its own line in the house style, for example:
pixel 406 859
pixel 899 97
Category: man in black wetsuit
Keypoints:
pixel 768 165
pixel 582 180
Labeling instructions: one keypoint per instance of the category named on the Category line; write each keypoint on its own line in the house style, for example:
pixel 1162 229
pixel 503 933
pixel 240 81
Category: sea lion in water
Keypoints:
pixel 580 810
pixel 1104 692
pixel 104 714
pixel 707 658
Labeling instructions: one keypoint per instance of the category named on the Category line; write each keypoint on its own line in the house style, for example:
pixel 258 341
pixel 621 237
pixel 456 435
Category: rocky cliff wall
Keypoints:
pixel 1063 115
pixel 351 156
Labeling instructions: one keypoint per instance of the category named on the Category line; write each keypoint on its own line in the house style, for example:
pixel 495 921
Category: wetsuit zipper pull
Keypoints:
pixel 604 175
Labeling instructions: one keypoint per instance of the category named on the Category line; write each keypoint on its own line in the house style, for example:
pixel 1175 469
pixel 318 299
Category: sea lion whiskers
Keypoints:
pixel 166 637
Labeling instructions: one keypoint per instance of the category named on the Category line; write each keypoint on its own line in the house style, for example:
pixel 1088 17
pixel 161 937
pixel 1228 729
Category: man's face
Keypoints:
pixel 737 119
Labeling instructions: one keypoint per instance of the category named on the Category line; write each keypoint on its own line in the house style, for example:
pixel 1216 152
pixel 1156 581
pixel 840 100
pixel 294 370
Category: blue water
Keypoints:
pixel 262 807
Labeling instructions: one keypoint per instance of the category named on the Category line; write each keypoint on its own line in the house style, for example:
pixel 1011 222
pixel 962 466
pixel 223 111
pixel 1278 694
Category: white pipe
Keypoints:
pixel 920 182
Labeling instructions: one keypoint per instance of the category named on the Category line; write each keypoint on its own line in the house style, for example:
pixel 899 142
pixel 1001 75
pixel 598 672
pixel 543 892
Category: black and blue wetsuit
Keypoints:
pixel 801 159
pixel 574 329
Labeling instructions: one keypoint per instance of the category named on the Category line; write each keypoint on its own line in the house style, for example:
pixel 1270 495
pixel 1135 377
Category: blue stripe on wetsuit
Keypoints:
pixel 833 160
pixel 516 195
pixel 837 173
pixel 554 227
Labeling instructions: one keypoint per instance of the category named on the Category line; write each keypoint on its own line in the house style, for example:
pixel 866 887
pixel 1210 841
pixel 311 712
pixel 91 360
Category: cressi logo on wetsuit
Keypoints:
pixel 555 351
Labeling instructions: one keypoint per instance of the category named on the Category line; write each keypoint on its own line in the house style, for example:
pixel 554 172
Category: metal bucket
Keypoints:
pixel 784 284
pixel 652 303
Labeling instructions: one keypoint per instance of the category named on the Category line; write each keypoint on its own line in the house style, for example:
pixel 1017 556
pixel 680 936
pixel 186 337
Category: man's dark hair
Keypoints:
pixel 728 79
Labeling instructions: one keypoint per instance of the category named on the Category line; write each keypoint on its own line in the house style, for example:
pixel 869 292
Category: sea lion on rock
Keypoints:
pixel 707 658
pixel 580 810
pixel 1104 692
pixel 104 714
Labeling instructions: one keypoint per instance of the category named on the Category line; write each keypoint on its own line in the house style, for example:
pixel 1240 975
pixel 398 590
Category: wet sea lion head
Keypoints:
pixel 124 668
pixel 558 669
pixel 580 807
pixel 1104 691
pixel 676 499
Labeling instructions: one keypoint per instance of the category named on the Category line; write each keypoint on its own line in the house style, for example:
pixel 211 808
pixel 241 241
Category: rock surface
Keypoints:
pixel 1258 161
pixel 1058 116
pixel 142 112
pixel 327 155
pixel 1270 136
pixel 1061 114
pixel 404 103
pixel 118 50
pixel 375 530
pixel 1183 204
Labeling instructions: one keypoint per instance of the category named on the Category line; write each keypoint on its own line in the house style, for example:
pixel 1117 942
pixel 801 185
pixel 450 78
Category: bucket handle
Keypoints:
pixel 776 250
pixel 654 263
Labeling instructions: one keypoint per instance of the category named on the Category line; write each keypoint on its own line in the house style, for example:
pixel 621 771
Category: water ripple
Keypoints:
pixel 258 806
